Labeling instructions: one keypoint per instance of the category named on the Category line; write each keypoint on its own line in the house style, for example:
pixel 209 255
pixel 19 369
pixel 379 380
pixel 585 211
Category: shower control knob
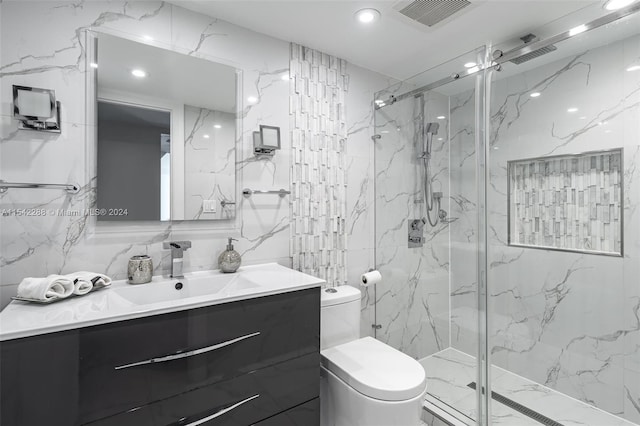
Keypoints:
pixel 442 214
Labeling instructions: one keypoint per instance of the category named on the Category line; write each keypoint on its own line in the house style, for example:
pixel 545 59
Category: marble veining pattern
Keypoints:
pixel 209 155
pixel 412 302
pixel 568 321
pixel 37 246
pixel 450 371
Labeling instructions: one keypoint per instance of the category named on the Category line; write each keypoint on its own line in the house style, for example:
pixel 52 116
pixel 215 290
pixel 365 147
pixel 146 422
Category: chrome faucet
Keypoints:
pixel 177 250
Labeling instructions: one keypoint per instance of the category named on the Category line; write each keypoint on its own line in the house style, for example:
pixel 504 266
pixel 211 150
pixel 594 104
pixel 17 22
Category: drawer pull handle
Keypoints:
pixel 189 353
pixel 221 412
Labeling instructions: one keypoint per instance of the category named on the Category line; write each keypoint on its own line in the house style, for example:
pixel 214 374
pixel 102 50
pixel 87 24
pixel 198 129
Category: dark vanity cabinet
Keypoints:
pixel 240 363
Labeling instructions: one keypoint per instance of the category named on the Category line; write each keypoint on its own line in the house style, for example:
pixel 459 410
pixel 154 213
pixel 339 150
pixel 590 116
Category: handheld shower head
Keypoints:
pixel 432 128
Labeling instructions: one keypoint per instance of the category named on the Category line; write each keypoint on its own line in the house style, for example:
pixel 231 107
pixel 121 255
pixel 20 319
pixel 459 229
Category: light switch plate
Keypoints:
pixel 209 206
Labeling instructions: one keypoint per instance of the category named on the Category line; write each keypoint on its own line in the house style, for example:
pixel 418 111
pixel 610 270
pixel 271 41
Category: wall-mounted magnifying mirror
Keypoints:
pixel 266 141
pixel 166 133
pixel 36 109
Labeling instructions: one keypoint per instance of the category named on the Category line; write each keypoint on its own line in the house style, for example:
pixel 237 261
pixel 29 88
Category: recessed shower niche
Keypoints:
pixel 568 202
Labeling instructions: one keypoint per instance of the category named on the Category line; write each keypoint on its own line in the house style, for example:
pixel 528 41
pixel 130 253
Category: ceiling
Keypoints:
pixel 394 46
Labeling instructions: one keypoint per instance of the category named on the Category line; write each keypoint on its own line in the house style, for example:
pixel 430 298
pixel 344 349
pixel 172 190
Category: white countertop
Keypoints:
pixel 111 304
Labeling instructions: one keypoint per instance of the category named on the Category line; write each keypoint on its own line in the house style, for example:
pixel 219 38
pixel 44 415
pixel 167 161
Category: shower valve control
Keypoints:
pixel 416 232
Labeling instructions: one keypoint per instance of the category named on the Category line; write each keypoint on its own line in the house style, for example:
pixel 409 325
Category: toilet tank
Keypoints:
pixel 339 315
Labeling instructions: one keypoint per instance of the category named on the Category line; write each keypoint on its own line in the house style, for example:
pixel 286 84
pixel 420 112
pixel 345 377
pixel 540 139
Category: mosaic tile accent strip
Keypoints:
pixel 318 170
pixel 571 202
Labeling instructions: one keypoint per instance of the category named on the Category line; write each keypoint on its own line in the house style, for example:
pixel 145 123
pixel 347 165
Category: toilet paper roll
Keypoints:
pixel 371 277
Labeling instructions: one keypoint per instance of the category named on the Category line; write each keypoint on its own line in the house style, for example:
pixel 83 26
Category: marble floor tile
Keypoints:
pixel 450 371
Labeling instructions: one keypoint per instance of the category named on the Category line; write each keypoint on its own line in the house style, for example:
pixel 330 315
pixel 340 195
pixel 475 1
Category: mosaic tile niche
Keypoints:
pixel 318 173
pixel 571 202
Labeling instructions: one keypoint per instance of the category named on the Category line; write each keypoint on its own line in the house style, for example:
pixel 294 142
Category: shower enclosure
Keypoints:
pixel 508 230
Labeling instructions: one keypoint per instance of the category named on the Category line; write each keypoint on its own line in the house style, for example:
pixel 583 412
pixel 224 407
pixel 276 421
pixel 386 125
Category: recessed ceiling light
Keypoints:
pixel 617 4
pixel 217 126
pixel 633 68
pixel 147 37
pixel 252 99
pixel 440 139
pixel 138 73
pixel 577 30
pixel 441 117
pixel 367 16
pixel 470 65
pixel 205 136
pixel 534 94
pixel 572 109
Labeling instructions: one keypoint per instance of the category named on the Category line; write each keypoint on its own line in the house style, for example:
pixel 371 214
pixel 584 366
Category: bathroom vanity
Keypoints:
pixel 246 353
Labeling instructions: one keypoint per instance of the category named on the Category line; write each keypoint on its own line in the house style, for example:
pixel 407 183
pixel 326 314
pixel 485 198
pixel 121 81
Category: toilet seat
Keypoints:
pixel 376 369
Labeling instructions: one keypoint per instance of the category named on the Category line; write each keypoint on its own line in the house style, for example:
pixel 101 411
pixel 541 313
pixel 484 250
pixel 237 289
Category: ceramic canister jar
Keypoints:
pixel 140 269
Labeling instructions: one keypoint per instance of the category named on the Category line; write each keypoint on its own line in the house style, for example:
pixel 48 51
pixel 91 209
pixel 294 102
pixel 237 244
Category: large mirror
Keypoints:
pixel 166 133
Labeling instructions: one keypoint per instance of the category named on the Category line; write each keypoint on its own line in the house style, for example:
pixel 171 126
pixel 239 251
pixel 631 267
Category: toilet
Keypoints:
pixel 364 382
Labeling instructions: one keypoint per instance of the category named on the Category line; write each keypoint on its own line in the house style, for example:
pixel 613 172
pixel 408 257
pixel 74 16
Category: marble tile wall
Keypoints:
pixel 565 320
pixel 39 246
pixel 464 227
pixel 413 298
pixel 363 85
pixel 356 159
pixel 35 246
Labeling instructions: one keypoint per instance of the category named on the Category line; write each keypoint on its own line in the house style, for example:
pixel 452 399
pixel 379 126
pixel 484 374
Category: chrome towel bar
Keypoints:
pixel 71 188
pixel 281 192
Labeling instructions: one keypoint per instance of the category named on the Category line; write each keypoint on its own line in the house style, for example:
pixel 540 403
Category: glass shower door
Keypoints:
pixel 427 216
pixel 564 232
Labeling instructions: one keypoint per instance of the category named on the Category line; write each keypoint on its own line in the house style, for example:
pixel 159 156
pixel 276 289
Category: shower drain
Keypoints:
pixel 520 408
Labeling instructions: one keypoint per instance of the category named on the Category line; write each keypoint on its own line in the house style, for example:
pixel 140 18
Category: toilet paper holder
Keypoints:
pixel 374 278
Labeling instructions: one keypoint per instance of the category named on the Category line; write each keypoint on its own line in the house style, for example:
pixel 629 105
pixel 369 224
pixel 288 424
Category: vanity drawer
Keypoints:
pixel 307 414
pixel 129 364
pixel 237 402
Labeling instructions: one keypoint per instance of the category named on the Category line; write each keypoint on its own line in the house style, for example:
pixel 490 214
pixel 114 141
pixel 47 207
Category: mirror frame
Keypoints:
pixel 142 229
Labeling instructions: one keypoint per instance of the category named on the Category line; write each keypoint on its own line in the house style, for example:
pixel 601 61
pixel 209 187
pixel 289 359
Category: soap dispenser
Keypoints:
pixel 229 260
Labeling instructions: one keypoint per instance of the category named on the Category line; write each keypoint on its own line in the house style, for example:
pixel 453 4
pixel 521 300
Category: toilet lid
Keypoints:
pixel 376 369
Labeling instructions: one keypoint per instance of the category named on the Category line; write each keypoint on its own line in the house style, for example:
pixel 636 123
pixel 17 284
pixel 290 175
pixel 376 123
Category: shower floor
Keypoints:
pixel 450 371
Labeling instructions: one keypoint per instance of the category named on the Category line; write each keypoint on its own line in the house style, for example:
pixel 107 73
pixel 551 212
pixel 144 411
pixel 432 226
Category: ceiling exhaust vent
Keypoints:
pixel 431 12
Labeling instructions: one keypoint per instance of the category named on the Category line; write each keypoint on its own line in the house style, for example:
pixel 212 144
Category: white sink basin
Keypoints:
pixel 192 285
pixel 121 301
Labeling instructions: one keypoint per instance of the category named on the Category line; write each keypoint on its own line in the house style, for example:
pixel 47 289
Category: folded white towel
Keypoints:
pixel 82 287
pixel 45 289
pixel 84 281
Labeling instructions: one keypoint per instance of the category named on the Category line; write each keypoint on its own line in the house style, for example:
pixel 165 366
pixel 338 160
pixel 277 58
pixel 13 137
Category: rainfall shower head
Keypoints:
pixel 432 128
pixel 530 38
